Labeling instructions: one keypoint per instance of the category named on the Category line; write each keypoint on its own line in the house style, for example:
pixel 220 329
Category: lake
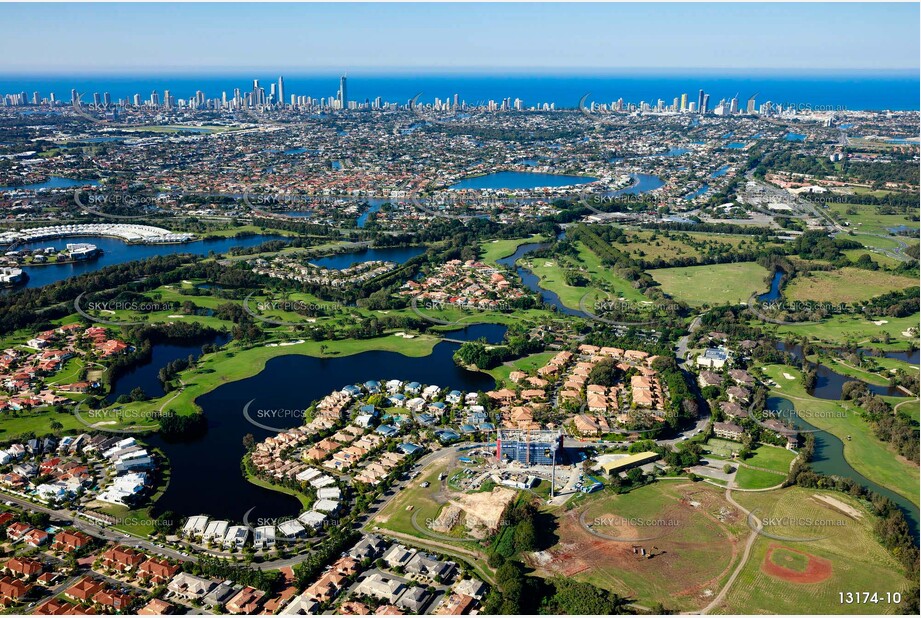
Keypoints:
pixel 774 293
pixel 198 464
pixel 53 182
pixel 492 333
pixel 829 383
pixel 146 375
pixel 384 254
pixel 521 180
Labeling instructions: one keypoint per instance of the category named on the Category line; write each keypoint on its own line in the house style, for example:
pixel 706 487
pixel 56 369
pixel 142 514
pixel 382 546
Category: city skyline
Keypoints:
pixel 451 37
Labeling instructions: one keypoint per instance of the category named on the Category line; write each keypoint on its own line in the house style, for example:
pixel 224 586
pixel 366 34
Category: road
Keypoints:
pixel 70 518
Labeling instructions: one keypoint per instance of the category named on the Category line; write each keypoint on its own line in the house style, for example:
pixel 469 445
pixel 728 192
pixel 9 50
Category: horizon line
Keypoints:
pixel 430 70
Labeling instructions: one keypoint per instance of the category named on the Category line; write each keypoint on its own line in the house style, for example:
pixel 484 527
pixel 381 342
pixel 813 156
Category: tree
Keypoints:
pixel 56 426
pixel 605 373
pixel 249 441
pixel 166 522
pixel 525 536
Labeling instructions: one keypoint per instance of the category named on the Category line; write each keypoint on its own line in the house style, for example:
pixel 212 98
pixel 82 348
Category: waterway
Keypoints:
pixel 829 459
pixel 116 251
pixel 773 294
pixel 532 281
pixel 521 180
pixel 695 194
pixel 53 182
pixel 492 333
pixel 206 475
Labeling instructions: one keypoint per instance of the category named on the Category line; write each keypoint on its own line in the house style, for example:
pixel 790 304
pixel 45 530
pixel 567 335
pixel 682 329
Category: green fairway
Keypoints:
pixel 853 328
pixel 15 424
pixel 718 284
pixel 234 363
pixel 497 249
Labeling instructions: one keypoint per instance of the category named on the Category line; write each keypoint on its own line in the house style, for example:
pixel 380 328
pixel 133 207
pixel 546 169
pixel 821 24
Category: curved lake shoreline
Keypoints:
pixel 269 389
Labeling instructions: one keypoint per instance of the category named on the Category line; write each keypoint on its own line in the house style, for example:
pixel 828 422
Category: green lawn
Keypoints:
pixel 772 458
pixel 748 478
pixel 527 363
pixel 15 424
pixel 864 452
pixel 717 284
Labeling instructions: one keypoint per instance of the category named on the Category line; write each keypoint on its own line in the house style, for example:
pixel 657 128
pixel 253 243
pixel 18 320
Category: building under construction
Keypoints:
pixel 530 447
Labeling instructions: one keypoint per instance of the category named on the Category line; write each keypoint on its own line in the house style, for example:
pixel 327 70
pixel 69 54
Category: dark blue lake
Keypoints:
pixel 271 389
pixel 386 254
pixel 521 180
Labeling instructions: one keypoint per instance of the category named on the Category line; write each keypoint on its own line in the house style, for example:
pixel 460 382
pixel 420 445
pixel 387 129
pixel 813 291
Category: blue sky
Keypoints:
pixel 102 38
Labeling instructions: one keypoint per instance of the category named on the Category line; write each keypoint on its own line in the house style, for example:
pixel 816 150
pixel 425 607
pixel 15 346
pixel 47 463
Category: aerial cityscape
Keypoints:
pixel 459 309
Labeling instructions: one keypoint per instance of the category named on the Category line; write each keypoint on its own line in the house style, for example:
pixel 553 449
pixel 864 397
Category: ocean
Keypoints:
pixel 830 90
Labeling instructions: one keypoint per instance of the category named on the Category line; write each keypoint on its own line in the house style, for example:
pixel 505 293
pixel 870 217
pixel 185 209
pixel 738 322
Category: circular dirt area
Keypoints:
pixel 794 566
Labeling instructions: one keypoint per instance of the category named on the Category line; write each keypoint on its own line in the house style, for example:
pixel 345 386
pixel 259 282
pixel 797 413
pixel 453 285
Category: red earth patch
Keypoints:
pixel 817 569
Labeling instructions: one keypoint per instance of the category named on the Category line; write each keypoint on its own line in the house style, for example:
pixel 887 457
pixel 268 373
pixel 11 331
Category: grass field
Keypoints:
pixel 395 516
pixel 858 561
pixel 868 219
pixel 690 529
pixel 526 363
pixel 772 458
pixel 881 259
pixel 749 478
pixel 15 424
pixel 722 448
pixel 646 245
pixel 611 283
pixel 864 452
pixel 712 285
pixel 845 285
